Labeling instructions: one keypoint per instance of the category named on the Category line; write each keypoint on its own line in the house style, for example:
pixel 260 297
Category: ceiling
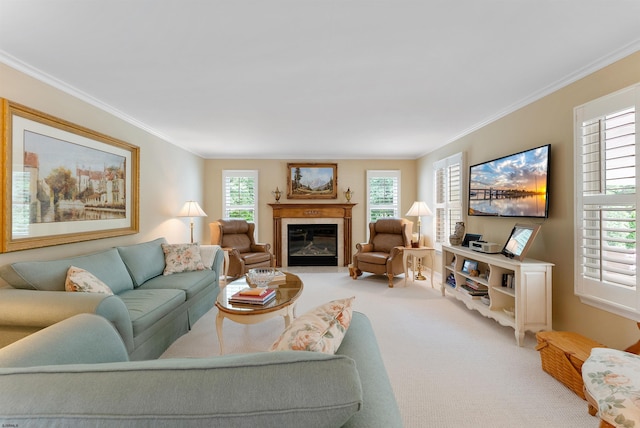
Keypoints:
pixel 314 79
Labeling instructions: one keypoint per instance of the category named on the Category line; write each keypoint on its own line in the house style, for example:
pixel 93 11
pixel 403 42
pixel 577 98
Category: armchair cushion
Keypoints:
pixel 375 258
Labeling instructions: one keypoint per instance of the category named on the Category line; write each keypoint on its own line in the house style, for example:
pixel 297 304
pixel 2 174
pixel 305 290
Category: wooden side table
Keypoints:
pixel 417 253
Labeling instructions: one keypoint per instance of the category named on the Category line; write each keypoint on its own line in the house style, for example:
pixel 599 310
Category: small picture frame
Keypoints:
pixel 469 265
pixel 520 240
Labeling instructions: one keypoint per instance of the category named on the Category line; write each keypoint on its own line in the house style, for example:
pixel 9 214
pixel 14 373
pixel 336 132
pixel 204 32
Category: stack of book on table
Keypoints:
pixel 254 296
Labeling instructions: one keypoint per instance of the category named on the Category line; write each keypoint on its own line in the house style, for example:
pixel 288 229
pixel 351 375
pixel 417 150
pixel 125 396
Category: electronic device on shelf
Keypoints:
pixel 484 247
pixel 468 237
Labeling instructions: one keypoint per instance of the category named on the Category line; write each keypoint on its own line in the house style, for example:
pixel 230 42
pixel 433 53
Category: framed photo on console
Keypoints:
pixel 520 240
pixel 469 265
pixel 312 180
pixel 63 183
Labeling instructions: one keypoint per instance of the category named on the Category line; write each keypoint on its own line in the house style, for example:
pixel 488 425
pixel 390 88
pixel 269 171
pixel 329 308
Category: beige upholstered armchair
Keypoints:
pixel 382 255
pixel 236 237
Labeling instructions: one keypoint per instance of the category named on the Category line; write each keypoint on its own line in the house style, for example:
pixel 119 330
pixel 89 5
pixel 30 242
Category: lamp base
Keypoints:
pixel 420 276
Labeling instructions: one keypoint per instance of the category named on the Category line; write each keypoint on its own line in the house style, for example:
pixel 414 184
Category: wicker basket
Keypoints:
pixel 562 354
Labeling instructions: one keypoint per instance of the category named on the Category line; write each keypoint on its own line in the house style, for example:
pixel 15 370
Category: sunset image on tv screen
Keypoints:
pixel 511 186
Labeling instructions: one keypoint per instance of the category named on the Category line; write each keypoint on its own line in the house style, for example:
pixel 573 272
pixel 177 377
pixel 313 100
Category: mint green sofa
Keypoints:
pixel 76 373
pixel 148 309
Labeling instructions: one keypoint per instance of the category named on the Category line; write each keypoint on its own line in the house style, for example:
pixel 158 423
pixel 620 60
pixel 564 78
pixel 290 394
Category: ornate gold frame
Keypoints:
pixel 17 122
pixel 298 171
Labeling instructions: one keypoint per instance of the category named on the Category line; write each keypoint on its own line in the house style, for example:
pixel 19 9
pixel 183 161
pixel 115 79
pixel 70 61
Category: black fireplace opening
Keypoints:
pixel 312 245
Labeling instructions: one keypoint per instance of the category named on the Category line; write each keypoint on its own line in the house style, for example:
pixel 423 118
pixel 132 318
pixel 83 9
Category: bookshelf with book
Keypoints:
pixel 515 293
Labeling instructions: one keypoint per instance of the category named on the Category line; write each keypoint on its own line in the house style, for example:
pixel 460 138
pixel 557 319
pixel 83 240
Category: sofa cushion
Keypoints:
pixel 144 261
pixel 80 280
pixel 320 330
pixel 181 258
pixel 51 275
pixel 147 306
pixel 191 283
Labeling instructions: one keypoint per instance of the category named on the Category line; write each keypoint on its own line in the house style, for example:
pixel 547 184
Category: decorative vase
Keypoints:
pixel 348 194
pixel 277 193
pixel 458 234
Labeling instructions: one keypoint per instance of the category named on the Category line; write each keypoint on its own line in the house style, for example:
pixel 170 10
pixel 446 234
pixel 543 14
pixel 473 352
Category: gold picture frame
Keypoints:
pixel 63 183
pixel 312 180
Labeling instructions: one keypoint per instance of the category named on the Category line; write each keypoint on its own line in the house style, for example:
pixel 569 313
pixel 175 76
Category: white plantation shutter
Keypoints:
pixel 448 195
pixel 383 194
pixel 240 195
pixel 606 182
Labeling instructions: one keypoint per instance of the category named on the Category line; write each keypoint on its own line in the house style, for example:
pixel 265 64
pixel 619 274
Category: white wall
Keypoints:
pixel 168 175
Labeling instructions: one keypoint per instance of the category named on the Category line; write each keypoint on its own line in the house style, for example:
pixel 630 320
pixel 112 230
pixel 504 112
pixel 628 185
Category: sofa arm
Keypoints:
pixel 46 308
pixel 83 338
pixel 380 406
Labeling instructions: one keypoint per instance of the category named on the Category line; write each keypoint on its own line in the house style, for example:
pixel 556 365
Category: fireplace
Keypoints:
pixel 312 245
pixel 285 215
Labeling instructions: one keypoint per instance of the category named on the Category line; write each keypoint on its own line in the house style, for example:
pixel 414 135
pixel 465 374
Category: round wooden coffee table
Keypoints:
pixel 287 291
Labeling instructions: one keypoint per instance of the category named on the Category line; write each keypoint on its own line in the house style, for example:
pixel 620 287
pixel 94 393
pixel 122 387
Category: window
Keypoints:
pixel 240 195
pixel 606 168
pixel 383 188
pixel 448 193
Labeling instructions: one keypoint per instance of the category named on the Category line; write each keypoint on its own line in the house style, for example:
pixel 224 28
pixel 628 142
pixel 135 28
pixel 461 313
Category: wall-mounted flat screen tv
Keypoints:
pixel 511 186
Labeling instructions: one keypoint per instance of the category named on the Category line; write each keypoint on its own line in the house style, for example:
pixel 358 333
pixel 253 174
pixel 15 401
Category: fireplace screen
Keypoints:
pixel 312 245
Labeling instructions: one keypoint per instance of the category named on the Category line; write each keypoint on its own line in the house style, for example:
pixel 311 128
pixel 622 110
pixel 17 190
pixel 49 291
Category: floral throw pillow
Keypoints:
pixel 81 280
pixel 320 330
pixel 181 258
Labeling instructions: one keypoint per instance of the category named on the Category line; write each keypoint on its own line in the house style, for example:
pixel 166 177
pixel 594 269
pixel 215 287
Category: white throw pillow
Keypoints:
pixel 84 281
pixel 320 330
pixel 181 258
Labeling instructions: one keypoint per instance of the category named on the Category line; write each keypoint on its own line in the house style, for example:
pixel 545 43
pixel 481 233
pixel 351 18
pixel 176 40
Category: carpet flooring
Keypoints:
pixel 449 366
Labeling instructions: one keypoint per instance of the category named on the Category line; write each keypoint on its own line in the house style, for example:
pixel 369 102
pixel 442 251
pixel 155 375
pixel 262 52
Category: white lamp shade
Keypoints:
pixel 191 209
pixel 418 209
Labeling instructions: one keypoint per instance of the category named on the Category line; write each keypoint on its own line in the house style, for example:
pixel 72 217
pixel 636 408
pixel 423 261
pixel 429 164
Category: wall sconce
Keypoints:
pixel 191 209
pixel 348 194
pixel 277 194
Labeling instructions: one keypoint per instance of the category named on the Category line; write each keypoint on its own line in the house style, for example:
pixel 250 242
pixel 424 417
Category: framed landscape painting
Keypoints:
pixel 63 183
pixel 312 181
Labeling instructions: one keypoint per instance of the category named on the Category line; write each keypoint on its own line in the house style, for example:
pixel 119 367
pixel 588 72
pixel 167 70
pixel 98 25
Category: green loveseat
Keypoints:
pixel 76 374
pixel 149 310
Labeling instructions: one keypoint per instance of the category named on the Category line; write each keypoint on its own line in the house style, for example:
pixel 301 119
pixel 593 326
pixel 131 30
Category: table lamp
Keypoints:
pixel 191 209
pixel 418 209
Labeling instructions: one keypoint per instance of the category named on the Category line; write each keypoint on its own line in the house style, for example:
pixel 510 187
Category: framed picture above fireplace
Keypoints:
pixel 312 180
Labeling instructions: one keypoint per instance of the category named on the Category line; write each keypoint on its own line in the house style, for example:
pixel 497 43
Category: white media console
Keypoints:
pixel 515 293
